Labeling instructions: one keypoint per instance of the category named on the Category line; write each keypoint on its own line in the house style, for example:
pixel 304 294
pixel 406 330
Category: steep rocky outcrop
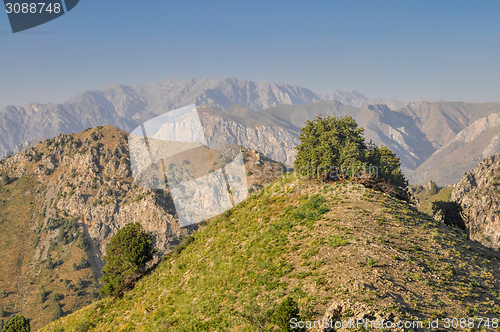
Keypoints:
pixel 478 191
pixel 275 142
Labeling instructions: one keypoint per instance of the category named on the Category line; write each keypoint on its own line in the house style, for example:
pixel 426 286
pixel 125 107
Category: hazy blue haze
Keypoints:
pixel 387 49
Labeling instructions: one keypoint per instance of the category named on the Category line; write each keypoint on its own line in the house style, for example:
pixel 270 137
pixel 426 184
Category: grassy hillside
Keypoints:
pixel 425 198
pixel 60 203
pixel 341 243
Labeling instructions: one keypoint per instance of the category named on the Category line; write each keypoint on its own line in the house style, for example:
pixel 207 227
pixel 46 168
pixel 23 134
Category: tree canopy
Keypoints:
pixel 334 147
pixel 450 213
pixel 17 324
pixel 433 189
pixel 127 254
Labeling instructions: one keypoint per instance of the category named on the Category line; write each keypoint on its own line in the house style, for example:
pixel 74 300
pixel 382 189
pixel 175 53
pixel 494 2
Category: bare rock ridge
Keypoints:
pixel 134 101
pixel 357 99
pixel 478 191
pixel 94 182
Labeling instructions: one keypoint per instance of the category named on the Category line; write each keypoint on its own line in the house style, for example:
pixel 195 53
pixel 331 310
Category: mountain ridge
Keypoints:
pixel 423 134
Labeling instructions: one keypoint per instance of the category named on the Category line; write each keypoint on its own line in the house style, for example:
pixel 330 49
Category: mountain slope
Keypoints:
pixel 475 142
pixel 61 202
pixel 442 121
pixel 344 247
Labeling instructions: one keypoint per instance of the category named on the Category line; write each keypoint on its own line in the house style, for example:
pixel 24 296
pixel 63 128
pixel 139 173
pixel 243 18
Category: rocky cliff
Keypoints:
pixel 478 191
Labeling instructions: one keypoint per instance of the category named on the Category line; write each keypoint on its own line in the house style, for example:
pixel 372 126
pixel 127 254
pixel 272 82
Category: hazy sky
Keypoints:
pixel 389 49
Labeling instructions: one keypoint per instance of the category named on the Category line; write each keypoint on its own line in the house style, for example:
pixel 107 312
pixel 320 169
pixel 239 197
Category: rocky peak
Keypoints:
pixel 478 191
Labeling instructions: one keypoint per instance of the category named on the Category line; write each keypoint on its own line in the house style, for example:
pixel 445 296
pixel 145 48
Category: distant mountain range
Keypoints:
pixel 357 99
pixel 126 106
pixel 435 140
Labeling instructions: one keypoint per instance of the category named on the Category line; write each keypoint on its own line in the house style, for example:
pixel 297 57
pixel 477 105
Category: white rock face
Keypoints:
pixel 493 148
pixel 475 129
pixel 274 142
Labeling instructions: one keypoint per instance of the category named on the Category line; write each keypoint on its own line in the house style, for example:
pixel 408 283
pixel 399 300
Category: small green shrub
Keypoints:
pixel 310 210
pixel 84 326
pixel 126 256
pixel 43 295
pixel 79 284
pixel 284 313
pixel 17 324
pixel 256 315
pixel 336 240
pixel 370 262
pixel 58 312
pixel 334 147
pixel 184 243
pixel 6 179
pixel 450 212
pixel 434 189
pixel 84 263
pixel 82 242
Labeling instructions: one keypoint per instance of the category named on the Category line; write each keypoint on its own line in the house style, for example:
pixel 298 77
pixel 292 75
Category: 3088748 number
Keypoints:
pixel 470 323
pixel 32 8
